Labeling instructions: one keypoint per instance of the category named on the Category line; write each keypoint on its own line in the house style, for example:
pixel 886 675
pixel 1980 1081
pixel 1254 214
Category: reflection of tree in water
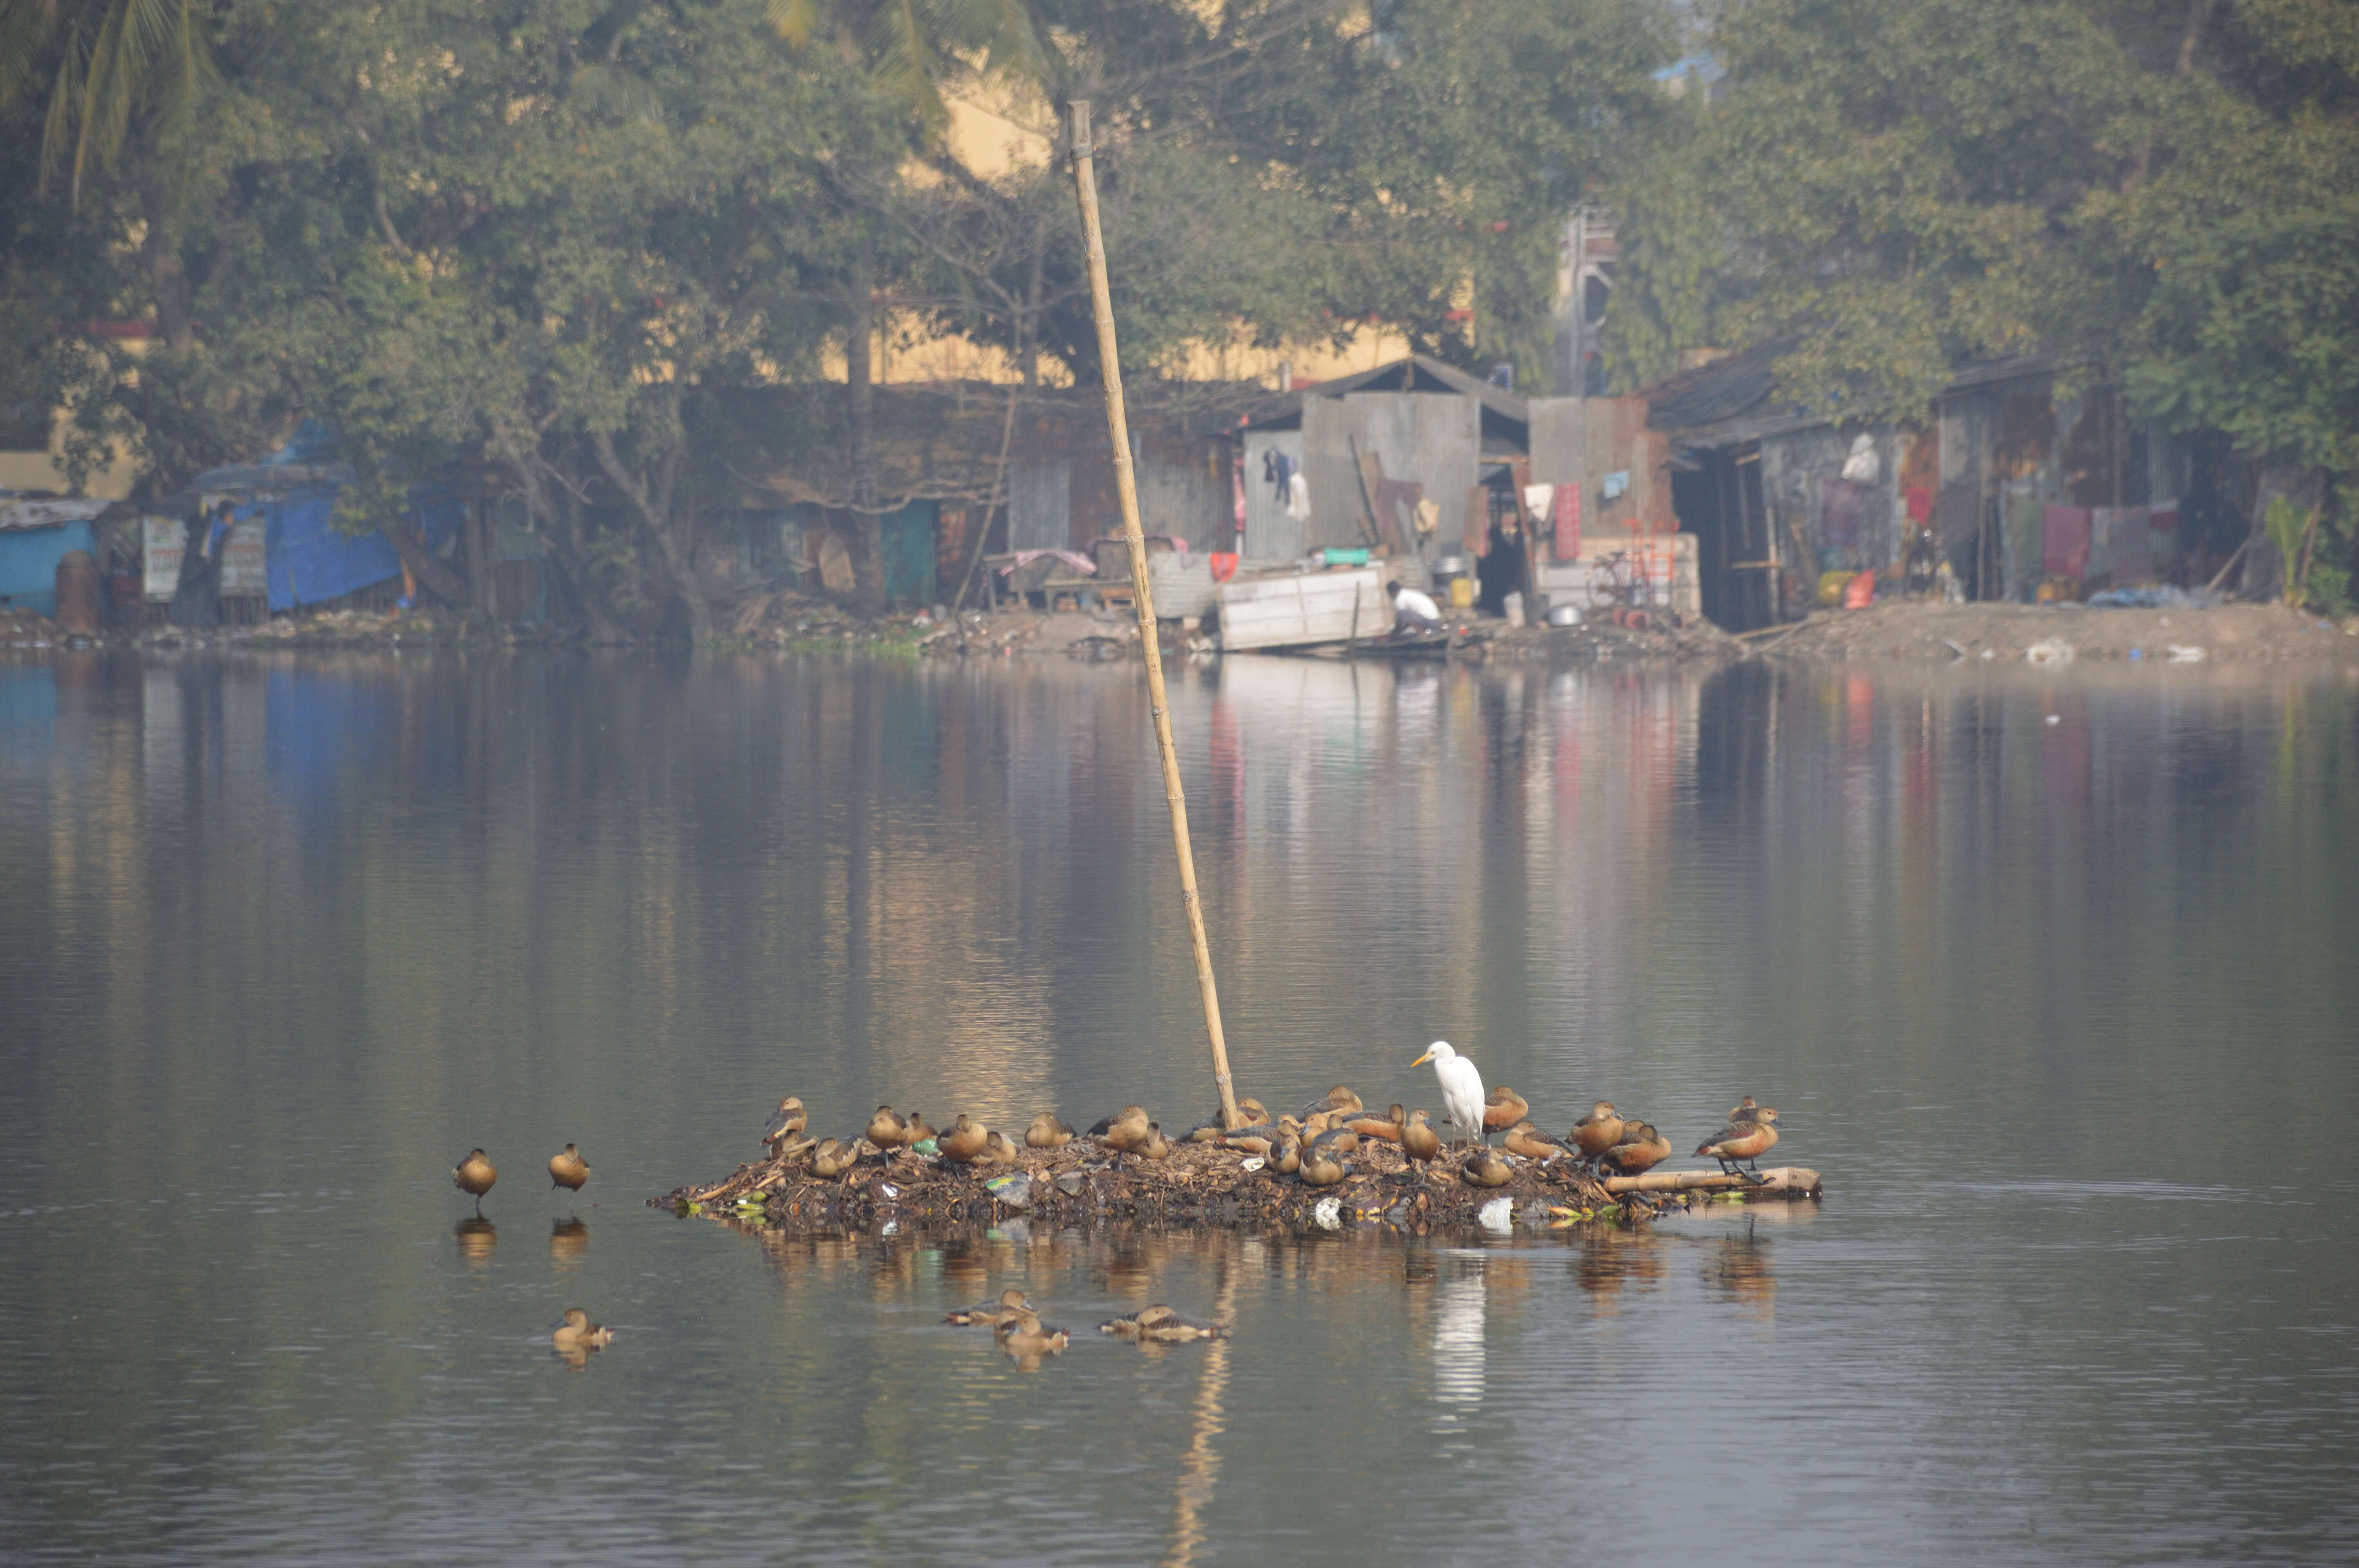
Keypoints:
pixel 1738 1270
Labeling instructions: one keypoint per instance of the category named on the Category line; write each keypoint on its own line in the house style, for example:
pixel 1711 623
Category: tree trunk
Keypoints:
pixel 651 498
pixel 867 523
pixel 167 279
pixel 562 539
pixel 483 561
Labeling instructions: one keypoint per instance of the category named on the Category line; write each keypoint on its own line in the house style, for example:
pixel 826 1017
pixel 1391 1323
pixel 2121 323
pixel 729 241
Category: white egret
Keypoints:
pixel 1461 1086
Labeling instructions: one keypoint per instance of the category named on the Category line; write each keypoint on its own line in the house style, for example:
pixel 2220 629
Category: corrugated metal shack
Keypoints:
pixel 2017 491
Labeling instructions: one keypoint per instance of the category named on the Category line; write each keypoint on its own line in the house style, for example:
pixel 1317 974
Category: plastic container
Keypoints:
pixel 1449 566
pixel 1564 615
pixel 1335 556
pixel 1514 609
pixel 1461 593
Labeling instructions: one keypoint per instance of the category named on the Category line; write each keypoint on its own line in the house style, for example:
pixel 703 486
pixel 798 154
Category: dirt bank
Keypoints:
pixel 2017 632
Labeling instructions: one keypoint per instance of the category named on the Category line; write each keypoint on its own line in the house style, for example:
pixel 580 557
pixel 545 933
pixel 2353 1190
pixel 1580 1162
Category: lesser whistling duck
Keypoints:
pixel 1641 1149
pixel 789 1119
pixel 1340 1097
pixel 576 1332
pixel 1024 1336
pixel 918 1129
pixel 1485 1168
pixel 1000 1148
pixel 1369 1124
pixel 1418 1141
pixel 1128 1328
pixel 963 1140
pixel 990 1314
pixel 1254 1139
pixel 1531 1142
pixel 833 1157
pixel 1504 1108
pixel 1159 1325
pixel 887 1131
pixel 1124 1131
pixel 793 1146
pixel 1211 1131
pixel 1742 1109
pixel 1046 1132
pixel 568 1169
pixel 1251 1112
pixel 1284 1157
pixel 1321 1168
pixel 1598 1131
pixel 1153 1146
pixel 475 1177
pixel 1338 1140
pixel 1742 1143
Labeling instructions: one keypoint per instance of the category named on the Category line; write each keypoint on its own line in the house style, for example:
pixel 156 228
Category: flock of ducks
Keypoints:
pixel 1314 1144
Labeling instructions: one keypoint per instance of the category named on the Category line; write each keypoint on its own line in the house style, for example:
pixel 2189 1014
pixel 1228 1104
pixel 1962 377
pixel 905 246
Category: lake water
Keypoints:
pixel 2052 979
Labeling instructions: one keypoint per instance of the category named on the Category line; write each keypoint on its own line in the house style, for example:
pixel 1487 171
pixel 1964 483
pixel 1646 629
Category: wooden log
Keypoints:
pixel 1786 1181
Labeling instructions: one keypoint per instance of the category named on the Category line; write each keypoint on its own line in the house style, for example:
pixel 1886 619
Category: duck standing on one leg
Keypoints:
pixel 475 1177
pixel 1461 1087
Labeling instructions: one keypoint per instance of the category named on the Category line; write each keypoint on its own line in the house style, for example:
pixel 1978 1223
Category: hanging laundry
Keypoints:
pixel 1565 522
pixel 1298 496
pixel 2064 541
pixel 1536 498
pixel 1839 510
pixel 1921 503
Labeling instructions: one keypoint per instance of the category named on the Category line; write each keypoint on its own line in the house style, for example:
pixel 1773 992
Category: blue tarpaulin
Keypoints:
pixel 311 561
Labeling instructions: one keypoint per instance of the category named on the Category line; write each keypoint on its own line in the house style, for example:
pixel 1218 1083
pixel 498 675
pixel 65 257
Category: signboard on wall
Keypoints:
pixel 244 566
pixel 162 542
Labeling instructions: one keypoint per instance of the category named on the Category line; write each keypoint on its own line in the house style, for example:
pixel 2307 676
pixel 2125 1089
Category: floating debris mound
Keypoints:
pixel 1195 1184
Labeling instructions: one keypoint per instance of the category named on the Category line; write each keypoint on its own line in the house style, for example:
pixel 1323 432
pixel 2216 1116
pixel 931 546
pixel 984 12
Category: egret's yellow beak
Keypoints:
pixel 1421 1061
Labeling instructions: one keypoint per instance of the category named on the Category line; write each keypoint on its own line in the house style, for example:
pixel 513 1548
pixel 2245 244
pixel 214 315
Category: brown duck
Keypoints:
pixel 1504 1108
pixel 1418 1141
pixel 568 1169
pixel 1159 1325
pixel 1368 1124
pixel 918 1129
pixel 1742 1143
pixel 1321 1168
pixel 1023 1335
pixel 1124 1131
pixel 1339 1142
pixel 1284 1157
pixel 963 1140
pixel 1000 1149
pixel 887 1131
pixel 1340 1097
pixel 1046 1132
pixel 576 1332
pixel 990 1314
pixel 1529 1142
pixel 475 1177
pixel 1486 1168
pixel 785 1122
pixel 1641 1149
pixel 1598 1131
pixel 833 1157
pixel 1153 1146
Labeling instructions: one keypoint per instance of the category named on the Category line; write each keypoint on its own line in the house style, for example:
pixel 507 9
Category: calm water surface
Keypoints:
pixel 2052 979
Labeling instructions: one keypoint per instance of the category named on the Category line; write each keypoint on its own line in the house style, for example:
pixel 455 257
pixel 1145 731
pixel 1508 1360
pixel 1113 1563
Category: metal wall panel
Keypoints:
pixel 1040 503
pixel 1270 533
pixel 1431 438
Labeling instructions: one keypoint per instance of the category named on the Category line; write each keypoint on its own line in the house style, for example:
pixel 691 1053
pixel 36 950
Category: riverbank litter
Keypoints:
pixel 2055 635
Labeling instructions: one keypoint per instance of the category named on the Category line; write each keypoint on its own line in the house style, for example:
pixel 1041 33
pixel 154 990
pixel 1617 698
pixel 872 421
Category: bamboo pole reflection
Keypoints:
pixel 1200 1468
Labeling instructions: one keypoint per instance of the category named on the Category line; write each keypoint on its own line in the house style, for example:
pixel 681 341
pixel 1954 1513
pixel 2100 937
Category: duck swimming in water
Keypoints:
pixel 1046 1132
pixel 1026 1339
pixel 785 1122
pixel 990 1314
pixel 1741 1144
pixel 576 1332
pixel 568 1169
pixel 475 1177
pixel 1159 1325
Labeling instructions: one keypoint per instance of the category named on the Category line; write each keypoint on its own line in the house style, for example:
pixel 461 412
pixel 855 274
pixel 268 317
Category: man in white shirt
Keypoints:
pixel 1412 611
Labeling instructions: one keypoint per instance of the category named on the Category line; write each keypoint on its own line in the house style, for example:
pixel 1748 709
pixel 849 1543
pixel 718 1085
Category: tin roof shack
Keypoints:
pixel 2018 493
pixel 1610 539
pixel 787 452
pixel 1391 457
pixel 36 533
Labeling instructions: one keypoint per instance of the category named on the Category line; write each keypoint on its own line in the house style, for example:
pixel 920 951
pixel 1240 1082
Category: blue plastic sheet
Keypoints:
pixel 310 561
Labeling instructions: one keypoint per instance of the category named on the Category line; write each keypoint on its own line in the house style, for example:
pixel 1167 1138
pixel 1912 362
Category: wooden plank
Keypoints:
pixel 1786 1181
pixel 1313 607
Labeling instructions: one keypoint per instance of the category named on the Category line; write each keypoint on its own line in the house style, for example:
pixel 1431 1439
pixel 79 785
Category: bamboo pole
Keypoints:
pixel 1085 186
pixel 1783 1180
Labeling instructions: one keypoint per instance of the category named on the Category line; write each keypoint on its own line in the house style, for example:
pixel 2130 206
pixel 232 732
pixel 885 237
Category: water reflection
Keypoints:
pixel 1458 1345
pixel 476 1237
pixel 569 1243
